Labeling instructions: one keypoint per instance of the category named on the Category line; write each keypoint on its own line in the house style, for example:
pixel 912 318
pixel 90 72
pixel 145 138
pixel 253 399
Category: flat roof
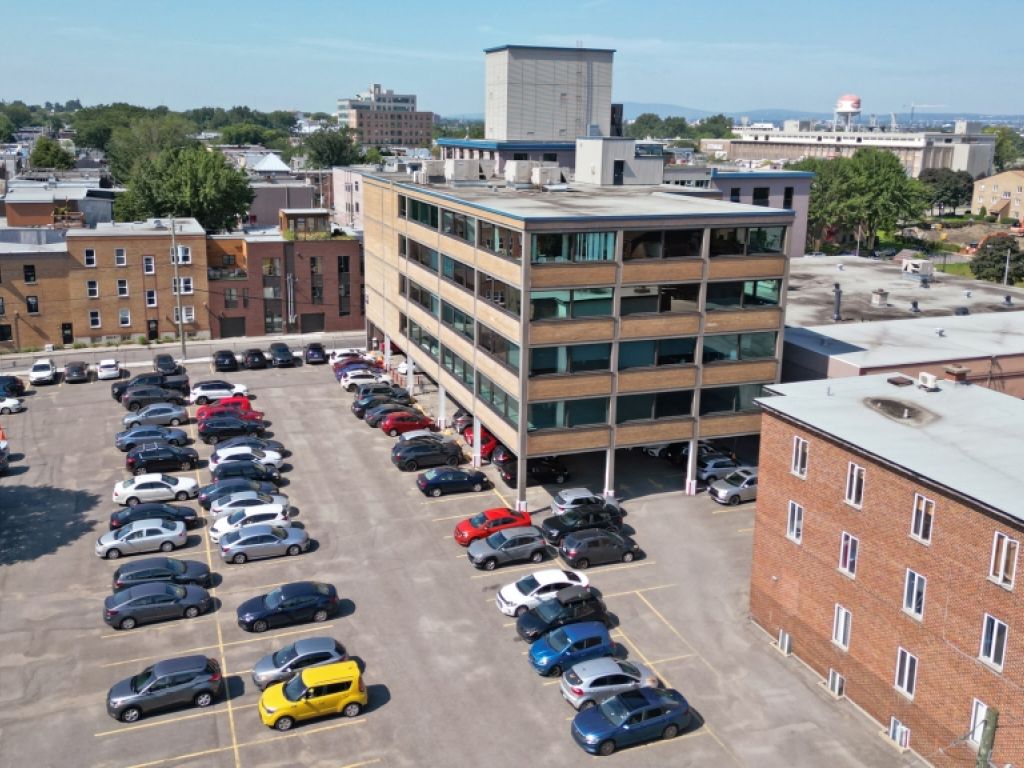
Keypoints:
pixel 154 227
pixel 32 248
pixel 506 146
pixel 754 172
pixel 45 195
pixel 306 211
pixel 962 437
pixel 546 48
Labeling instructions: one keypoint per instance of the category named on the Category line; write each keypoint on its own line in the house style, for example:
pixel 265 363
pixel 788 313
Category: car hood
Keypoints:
pixel 107 538
pixel 465 527
pixel 196 570
pixel 480 548
pixel 194 594
pixel 555 523
pixel 265 666
pixel 221 525
pixel 511 595
pixel 252 607
pixel 120 690
pixel 590 722
pixel 542 652
pixel 273 698
pixel 531 625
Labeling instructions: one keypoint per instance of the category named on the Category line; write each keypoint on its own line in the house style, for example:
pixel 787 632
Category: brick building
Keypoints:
pixel 885 553
pixel 34 292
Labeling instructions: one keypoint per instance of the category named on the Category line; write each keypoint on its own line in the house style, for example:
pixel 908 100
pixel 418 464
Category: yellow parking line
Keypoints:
pixel 725 510
pixel 509 624
pixel 170 720
pixel 501 496
pixel 164 625
pixel 744 530
pixel 637 591
pixel 445 538
pixel 450 517
pixel 364 762
pixel 552 682
pixel 640 653
pixel 678 634
pixel 673 658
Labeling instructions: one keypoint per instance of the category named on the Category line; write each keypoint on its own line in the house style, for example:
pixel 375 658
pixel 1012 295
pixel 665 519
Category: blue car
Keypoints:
pixel 360 365
pixel 571 644
pixel 289 604
pixel 632 717
pixel 439 480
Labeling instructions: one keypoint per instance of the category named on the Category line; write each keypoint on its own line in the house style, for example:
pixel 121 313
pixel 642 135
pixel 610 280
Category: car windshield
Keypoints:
pixel 175 566
pixel 285 655
pixel 236 517
pixel 629 669
pixel 41 367
pixel 294 688
pixel 558 640
pixel 571 517
pixel 231 538
pixel 497 539
pixel 120 533
pixel 141 680
pixel 477 520
pixel 527 585
pixel 168 480
pixel 735 479
pixel 432 474
pixel 279 533
pixel 178 592
pixel 559 499
pixel 126 484
pixel 614 711
pixel 265 498
pixel 273 599
pixel 549 610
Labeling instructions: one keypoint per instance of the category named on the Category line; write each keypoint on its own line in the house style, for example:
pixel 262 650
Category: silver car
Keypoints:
pixel 142 536
pixel 508 546
pixel 244 499
pixel 588 683
pixel 154 487
pixel 281 666
pixel 158 414
pixel 253 542
pixel 735 487
pixel 571 498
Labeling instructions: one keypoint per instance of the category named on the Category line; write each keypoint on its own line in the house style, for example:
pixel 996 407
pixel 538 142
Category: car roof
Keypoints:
pixel 134 566
pixel 314 644
pixel 108 361
pixel 584 629
pixel 604 665
pixel 575 493
pixel 257 529
pixel 550 576
pixel 301 587
pixel 181 664
pixel 589 533
pixel 329 673
pixel 573 594
pixel 155 521
pixel 144 590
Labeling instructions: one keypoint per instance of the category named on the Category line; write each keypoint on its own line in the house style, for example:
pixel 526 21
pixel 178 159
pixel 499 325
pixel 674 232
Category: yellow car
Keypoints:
pixel 316 692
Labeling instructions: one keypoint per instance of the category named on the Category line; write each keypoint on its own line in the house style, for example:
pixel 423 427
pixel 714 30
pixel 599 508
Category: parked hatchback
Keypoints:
pixel 438 481
pixel 281 356
pixel 591 682
pixel 282 665
pixel 160 457
pixel 327 690
pixel 42 372
pixel 157 415
pixel 735 487
pixel 563 647
pixel 630 718
pixel 315 354
pixel 710 468
pixel 427 453
pixel 166 364
pixel 593 547
pixel 147 535
pixel 168 569
pixel 76 372
pixel 570 498
pixel 186 680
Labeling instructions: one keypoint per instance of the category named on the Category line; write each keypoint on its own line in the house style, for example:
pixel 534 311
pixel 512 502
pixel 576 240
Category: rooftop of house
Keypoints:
pixel 45 194
pixel 149 227
pixel 306 211
pixel 962 437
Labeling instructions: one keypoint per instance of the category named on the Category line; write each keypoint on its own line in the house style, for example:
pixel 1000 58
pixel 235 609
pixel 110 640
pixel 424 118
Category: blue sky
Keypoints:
pixel 720 55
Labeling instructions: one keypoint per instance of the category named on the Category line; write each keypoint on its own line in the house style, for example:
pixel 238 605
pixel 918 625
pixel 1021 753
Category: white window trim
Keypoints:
pixel 91 285
pixel 120 257
pixel 795 467
pixel 843 639
pixel 848 545
pixel 898 733
pixel 184 255
pixel 997 571
pixel 151 294
pixel 99 319
pixel 188 312
pixel 989 660
pixel 908 685
pixel 835 683
pixel 89 253
pixel 927 506
pixel 795 533
pixel 121 318
pixel 180 282
pixel 852 471
pixel 979 711
pixel 149 265
pixel 126 290
pixel 916 577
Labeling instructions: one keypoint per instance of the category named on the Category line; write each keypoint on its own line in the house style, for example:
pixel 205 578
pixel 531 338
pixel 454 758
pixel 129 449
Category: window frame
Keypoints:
pixel 906 672
pixel 925 508
pixel 151 293
pixel 795 522
pixel 149 265
pixel 977 726
pixel 842 626
pixel 911 582
pixel 89 258
pixel 124 317
pixel 1003 547
pixel 122 283
pixel 182 282
pixel 92 289
pixel 849 547
pixel 993 641
pixel 855 475
pixel 120 257
pixel 801 452
pixel 95 319
pixel 29 302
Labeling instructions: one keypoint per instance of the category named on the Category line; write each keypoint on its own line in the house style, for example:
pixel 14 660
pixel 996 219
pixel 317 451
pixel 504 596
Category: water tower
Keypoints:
pixel 847 108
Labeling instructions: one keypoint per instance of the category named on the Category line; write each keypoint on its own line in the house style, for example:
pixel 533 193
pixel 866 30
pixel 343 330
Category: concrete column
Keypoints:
pixel 609 473
pixel 387 352
pixel 476 442
pixel 691 468
pixel 442 406
pixel 521 484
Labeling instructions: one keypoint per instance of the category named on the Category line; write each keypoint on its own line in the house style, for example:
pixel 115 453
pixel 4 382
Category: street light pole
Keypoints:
pixel 1006 272
pixel 177 289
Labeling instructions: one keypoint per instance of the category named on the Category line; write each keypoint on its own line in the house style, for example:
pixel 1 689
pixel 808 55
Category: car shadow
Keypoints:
pixel 216 579
pixel 215 605
pixel 346 608
pixel 314 545
pixel 14 471
pixel 193 541
pixel 378 695
pixel 300 526
pixel 16 457
pixel 294 512
pixel 234 687
pixel 286 467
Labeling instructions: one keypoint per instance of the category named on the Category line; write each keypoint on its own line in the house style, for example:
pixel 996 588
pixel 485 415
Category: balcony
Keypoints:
pixel 226 273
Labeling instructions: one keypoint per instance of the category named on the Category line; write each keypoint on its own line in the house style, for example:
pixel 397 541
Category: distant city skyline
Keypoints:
pixel 703 54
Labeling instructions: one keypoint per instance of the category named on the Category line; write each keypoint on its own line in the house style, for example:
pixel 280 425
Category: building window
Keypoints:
pixel 92 289
pixel 979 712
pixel 187 312
pixel 906 672
pixel 29 271
pixel 148 265
pixel 150 298
pixel 573 246
pixel 424 213
pixel 184 254
pixel 497 346
pixel 499 293
pixel 734 194
pixel 654 405
pixel 459 273
pixel 5 333
pixel 645 354
pixel 422 297
pixel 499 240
pixel 500 401
pixel 457 320
pixel 1003 567
pixel 658 244
pixel 747 241
pixel 854 485
pixel 186 285
pixel 32 304
pixel 639 299
pixel 735 399
pixel 124 317
pixel 913 594
pixel 761 196
pixel 94 318
pixel 418 252
pixel 749 294
pixel 921 522
pixel 89 257
pixel 120 257
pixel 3 309
pixel 230 298
pixel 122 287
pixel 271 266
pixel 565 414
pixel 576 303
pixel 798 466
pixel 787 198
pixel 739 346
pixel 344 288
pixel 842 621
pixel 993 641
pixel 457 367
pixel 899 734
pixel 836 683
pixel 577 358
pixel 459 226
pixel 795 522
pixel 848 554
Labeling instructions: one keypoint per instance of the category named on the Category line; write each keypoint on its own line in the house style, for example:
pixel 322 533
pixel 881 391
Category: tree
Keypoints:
pixel 714 127
pixel 47 153
pixel 94 126
pixel 1009 146
pixel 881 193
pixel 242 133
pixel 675 127
pixel 186 181
pixel 947 188
pixel 647 124
pixel 281 120
pixel 146 137
pixel 18 113
pixel 830 210
pixel 6 127
pixel 326 149
pixel 989 263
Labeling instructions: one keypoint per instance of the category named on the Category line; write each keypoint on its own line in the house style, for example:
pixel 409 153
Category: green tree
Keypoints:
pixel 326 149
pixel 714 127
pixel 47 153
pixel 94 126
pixel 281 120
pixel 17 112
pixel 947 188
pixel 243 133
pixel 831 212
pixel 6 127
pixel 989 263
pixel 675 127
pixel 881 193
pixel 186 181
pixel 143 138
pixel 647 124
pixel 1009 146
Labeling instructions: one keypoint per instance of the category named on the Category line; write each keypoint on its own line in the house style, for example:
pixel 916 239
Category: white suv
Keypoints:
pixel 43 372
pixel 350 381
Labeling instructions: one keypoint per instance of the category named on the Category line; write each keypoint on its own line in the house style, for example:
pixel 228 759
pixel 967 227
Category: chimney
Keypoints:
pixel 957 373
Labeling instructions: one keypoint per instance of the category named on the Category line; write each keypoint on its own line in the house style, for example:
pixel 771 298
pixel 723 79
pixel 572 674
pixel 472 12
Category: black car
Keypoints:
pixel 289 604
pixel 255 359
pixel 193 680
pixel 162 569
pixel 315 354
pixel 76 372
pixel 12 386
pixel 223 426
pixel 150 379
pixel 160 457
pixel 281 356
pixel 363 404
pixel 247 469
pixel 154 601
pixel 410 456
pixel 556 527
pixel 218 490
pixel 151 510
pixel 225 360
pixel 166 364
pixel 139 397
pixel 593 547
pixel 136 436
pixel 375 416
pixel 383 388
pixel 569 606
pixel 255 442
pixel 543 469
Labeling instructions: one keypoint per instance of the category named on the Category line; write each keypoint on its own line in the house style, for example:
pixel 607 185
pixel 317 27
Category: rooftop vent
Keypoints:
pixel 900 381
pixel 899 410
pixel 957 373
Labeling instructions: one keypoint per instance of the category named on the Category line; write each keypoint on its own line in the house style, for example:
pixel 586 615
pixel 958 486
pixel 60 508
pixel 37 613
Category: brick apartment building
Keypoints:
pixel 885 553
pixel 393 129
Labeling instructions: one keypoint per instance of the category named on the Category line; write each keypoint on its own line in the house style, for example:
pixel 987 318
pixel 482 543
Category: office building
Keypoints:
pixel 382 117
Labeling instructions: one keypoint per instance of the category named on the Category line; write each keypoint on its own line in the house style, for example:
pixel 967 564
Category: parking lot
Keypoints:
pixel 449 682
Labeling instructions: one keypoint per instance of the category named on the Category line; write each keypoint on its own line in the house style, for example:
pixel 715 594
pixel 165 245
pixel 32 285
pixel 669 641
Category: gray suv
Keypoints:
pixel 508 546
pixel 173 682
pixel 735 487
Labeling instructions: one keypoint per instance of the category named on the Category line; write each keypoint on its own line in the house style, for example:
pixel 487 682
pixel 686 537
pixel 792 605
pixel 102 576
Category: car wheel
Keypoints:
pixel 167 546
pixel 583 563
pixel 191 612
pixel 202 400
pixel 134 407
pixel 186 465
pixel 393 433
pixel 239 559
pixel 478 487
pixel 320 615
pixel 127 623
pixel 606 748
pixel 284 723
pixel 734 500
pixel 588 704
pixel 177 442
pixel 537 556
pixel 5 411
pixel 453 461
pixel 175 422
pixel 352 709
pixel 113 554
pixel 139 471
pixel 710 479
pixel 130 715
pixel 555 671
pixel 213 439
pixel 670 732
pixel 411 466
pixel 350 388
pixel 521 610
pixel 628 557
pixel 260 625
pixel 203 699
pixel 181 496
pixel 134 424
pixel 132 501
pixel 489 564
pixel 559 479
pixel 294 549
pixel 435 492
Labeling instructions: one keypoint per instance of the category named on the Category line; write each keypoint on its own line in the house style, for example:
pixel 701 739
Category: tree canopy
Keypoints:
pixel 6 127
pixel 143 138
pixel 989 263
pixel 47 153
pixel 325 149
pixel 947 188
pixel 650 124
pixel 1009 146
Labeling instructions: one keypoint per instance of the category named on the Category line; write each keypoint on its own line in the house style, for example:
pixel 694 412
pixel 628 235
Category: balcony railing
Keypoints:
pixel 218 273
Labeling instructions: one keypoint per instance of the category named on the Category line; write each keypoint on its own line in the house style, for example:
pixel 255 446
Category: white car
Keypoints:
pixel 347 352
pixel 244 500
pixel 271 514
pixel 208 391
pixel 154 487
pixel 403 368
pixel 351 380
pixel 43 372
pixel 108 369
pixel 11 405
pixel 530 591
pixel 415 434
pixel 246 453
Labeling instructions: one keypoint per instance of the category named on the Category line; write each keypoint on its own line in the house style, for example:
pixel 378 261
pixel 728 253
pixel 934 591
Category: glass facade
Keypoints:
pixel 498 399
pixel 637 299
pixel 735 399
pixel 500 241
pixel 457 320
pixel 662 244
pixel 423 340
pixel 739 346
pixel 459 273
pixel 653 405
pixel 564 414
pixel 418 252
pixel 571 303
pixel 747 241
pixel 653 352
pixel 577 358
pixel 497 346
pixel 424 298
pixel 573 246
pixel 499 293
pixel 457 367
pixel 743 294
pixel 459 226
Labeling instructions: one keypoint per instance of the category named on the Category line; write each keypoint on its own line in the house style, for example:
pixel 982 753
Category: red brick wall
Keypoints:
pixel 807 584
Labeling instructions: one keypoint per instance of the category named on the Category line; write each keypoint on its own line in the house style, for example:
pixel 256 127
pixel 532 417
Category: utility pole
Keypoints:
pixel 988 738
pixel 177 292
pixel 1006 272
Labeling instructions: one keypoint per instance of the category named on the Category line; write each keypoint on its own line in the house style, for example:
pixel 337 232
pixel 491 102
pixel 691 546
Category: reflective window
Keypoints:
pixel 424 298
pixel 644 354
pixel 500 401
pixel 459 273
pixel 459 226
pixel 653 405
pixel 637 299
pixel 562 304
pixel 418 252
pixel 499 240
pixel 729 399
pixel 745 346
pixel 743 294
pixel 573 246
pixel 565 414
pixel 657 244
pixel 570 359
pixel 457 320
pixel 424 213
pixel 500 348
pixel 746 241
pixel 499 293
pixel 457 367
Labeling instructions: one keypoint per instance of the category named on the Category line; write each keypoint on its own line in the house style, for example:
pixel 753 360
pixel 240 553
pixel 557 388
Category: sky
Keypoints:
pixel 716 55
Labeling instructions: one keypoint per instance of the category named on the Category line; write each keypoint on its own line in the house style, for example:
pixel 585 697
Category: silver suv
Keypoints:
pixel 187 680
pixel 710 468
pixel 735 487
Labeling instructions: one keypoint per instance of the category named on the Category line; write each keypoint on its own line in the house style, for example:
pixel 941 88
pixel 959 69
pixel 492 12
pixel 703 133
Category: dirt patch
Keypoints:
pixel 972 233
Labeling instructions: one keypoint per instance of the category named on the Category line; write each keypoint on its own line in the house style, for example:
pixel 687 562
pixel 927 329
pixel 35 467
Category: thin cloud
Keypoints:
pixel 420 54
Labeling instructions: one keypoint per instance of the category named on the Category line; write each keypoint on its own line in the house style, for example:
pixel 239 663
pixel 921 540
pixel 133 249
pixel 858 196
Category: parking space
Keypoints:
pixel 448 680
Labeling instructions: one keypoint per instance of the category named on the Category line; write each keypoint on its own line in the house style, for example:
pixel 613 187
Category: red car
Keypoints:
pixel 234 403
pixel 488 442
pixel 216 410
pixel 487 522
pixel 396 423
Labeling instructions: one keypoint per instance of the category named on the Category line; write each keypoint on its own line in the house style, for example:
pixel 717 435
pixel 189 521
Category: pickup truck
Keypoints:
pixel 152 379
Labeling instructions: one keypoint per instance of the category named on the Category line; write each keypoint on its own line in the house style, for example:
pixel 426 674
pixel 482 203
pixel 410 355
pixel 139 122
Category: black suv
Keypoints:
pixel 382 388
pixel 12 386
pixel 225 360
pixel 569 606
pixel 544 469
pixel 160 457
pixel 281 356
pixel 556 527
pixel 174 682
pixel 361 405
pixel 166 364
pixel 217 428
pixel 583 549
pixel 414 454
pixel 254 358
pixel 137 397
pixel 156 509
pixel 76 372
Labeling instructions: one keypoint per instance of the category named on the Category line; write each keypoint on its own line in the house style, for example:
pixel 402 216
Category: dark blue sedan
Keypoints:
pixel 632 717
pixel 439 480
pixel 289 604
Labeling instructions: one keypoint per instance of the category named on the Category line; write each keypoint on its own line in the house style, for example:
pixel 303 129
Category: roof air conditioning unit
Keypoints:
pixel 927 380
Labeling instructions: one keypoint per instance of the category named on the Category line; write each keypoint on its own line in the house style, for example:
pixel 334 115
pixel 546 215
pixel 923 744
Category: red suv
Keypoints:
pixel 396 423
pixel 488 442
